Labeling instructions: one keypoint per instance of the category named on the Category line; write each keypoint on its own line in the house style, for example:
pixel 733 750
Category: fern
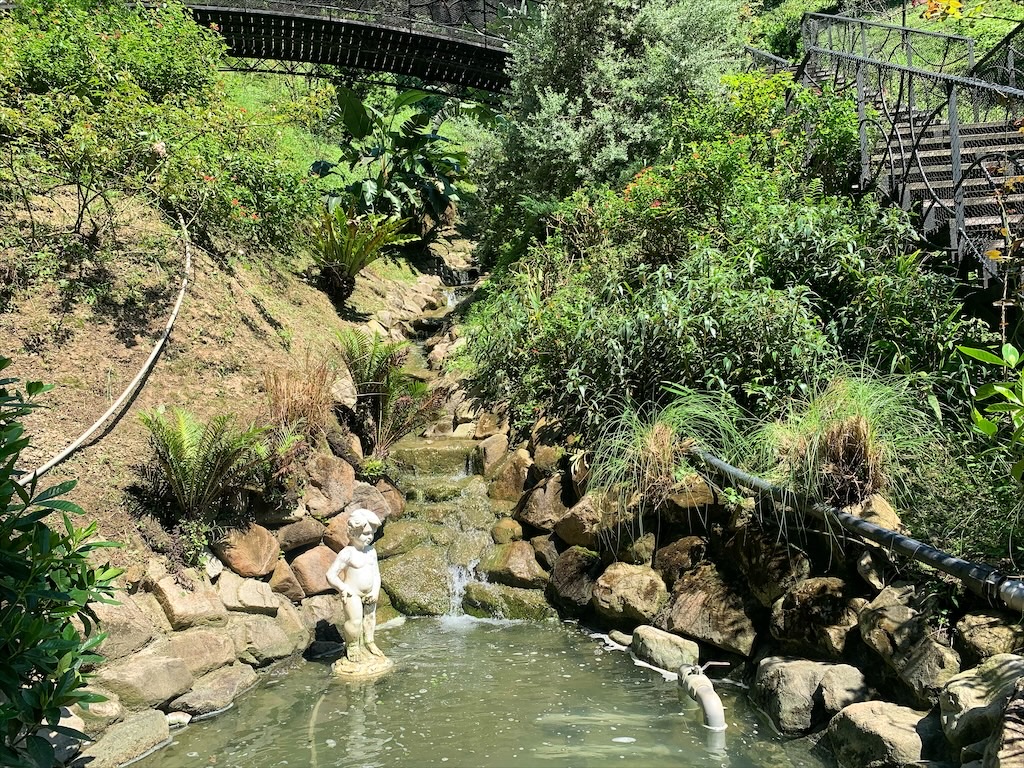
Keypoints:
pixel 369 358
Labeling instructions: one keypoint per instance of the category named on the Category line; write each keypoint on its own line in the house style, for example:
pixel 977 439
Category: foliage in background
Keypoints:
pixel 347 242
pixel 389 403
pixel 46 580
pixel 1003 402
pixel 207 468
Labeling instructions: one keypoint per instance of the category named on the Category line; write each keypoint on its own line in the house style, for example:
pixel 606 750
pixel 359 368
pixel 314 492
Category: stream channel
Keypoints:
pixel 474 692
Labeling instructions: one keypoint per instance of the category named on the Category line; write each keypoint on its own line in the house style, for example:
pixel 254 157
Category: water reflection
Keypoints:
pixel 480 694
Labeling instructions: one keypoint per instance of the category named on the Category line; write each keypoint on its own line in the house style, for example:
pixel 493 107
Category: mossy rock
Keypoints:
pixel 502 602
pixel 418 582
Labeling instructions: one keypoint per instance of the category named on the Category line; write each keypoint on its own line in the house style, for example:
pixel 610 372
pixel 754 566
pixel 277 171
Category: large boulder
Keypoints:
pixel 394 498
pixel 572 580
pixel 310 569
pixel 125 741
pixel 706 607
pixel 892 626
pixel 663 649
pixel 544 506
pixel 336 533
pixel 331 483
pixel 1006 748
pixel 691 504
pixel 259 639
pixel 366 496
pixel 251 552
pixel 679 557
pixel 283 582
pixel 546 550
pixel 879 734
pixel 322 615
pixel 581 524
pixel 146 679
pixel 508 477
pixel 627 595
pixel 515 565
pixel 973 701
pixel 246 595
pixel 194 607
pixel 772 567
pixel 982 634
pixel 304 533
pixel 201 650
pixel 290 620
pixel 816 618
pixel 504 602
pixel 418 581
pixel 127 625
pixel 401 536
pixel 216 690
pixel 490 452
pixel 802 696
pixel 101 714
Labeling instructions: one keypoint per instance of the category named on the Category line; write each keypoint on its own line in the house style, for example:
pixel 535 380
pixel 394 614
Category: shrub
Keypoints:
pixel 46 580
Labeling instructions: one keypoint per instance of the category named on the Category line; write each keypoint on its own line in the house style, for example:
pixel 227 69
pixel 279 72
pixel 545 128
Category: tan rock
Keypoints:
pixel 544 507
pixel 983 634
pixel 336 534
pixel 330 488
pixel 709 608
pixel 879 734
pixel 580 525
pixel 149 605
pixel 289 619
pixel 259 639
pixel 972 702
pixel 304 533
pixel 489 425
pixel 509 476
pixel 365 496
pixel 506 530
pixel 679 557
pixel 125 741
pixel 195 607
pixel 247 595
pixel 248 551
pixel 216 690
pixel 515 565
pixel 490 452
pixel 817 617
pixel 146 679
pixel 628 595
pixel 394 498
pixel 283 582
pixel 310 569
pixel 101 714
pixel 201 650
pixel 127 625
pixel 663 649
pixel 572 580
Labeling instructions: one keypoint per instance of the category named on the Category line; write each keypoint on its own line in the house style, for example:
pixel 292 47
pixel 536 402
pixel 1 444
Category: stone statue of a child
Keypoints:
pixel 356 576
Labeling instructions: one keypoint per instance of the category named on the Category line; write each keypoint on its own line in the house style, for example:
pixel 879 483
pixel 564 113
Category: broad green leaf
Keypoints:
pixel 985 426
pixel 408 98
pixel 1011 355
pixel 353 115
pixel 981 354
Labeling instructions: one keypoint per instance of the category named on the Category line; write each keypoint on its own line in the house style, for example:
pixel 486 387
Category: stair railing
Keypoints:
pixel 1004 64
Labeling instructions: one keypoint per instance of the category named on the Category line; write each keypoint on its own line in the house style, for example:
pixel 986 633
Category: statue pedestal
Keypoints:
pixel 374 667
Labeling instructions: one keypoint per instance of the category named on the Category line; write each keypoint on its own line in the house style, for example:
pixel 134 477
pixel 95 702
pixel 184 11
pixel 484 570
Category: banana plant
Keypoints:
pixel 1006 399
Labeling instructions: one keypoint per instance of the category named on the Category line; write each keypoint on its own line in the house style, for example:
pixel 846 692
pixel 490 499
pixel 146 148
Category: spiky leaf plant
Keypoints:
pixel 408 405
pixel 858 435
pixel 369 357
pixel 205 465
pixel 348 242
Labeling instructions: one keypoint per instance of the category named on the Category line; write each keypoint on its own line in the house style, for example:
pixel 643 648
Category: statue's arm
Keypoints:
pixel 334 573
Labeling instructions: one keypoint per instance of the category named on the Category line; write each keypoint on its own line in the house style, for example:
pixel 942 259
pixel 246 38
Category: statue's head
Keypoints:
pixel 361 519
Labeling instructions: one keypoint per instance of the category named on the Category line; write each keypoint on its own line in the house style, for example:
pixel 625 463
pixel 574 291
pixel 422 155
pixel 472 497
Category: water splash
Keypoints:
pixel 460 576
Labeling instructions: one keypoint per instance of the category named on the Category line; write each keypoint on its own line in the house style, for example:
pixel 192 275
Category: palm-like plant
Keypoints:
pixel 349 242
pixel 204 465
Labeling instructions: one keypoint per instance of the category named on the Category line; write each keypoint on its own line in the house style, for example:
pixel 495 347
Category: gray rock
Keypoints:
pixel 259 639
pixel 802 696
pixel 201 650
pixel 289 619
pixel 706 607
pixel 322 615
pixel 146 679
pixel 545 549
pixel 772 567
pixel 543 507
pixel 195 607
pixel 572 580
pixel 663 649
pixel 1006 748
pixel 879 734
pixel 124 741
pixel 504 602
pixel 331 485
pixel 508 477
pixel 64 746
pixel 490 452
pixel 246 595
pixel 628 595
pixel 506 530
pixel 149 605
pixel 393 497
pixel 127 625
pixel 215 691
pixel 621 638
pixel 418 581
pixel 101 714
pixel 366 496
pixel 972 702
pixel 515 565
pixel 580 526
pixel 679 557
pixel 212 565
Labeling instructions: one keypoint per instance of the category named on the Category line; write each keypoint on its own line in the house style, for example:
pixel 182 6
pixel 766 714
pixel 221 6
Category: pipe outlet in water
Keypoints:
pixel 699 688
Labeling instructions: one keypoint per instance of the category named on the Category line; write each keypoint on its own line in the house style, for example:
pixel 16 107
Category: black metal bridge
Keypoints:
pixel 457 42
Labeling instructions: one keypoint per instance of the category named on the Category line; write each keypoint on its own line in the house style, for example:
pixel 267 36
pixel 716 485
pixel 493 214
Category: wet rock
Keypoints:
pixel 249 552
pixel 581 524
pixel 336 533
pixel 663 649
pixel 394 498
pixel 817 617
pixel 572 580
pixel 545 549
pixel 490 452
pixel 304 533
pixel 128 627
pixel 418 582
pixel 468 548
pixel 177 719
pixel 184 608
pixel 445 456
pixel 401 536
pixel 982 634
pixel 515 565
pixel 544 507
pixel 258 639
pixel 508 478
pixel 706 607
pixel 215 691
pixel 772 567
pixel 679 557
pixel 621 638
pixel 505 602
pixel 283 582
pixel 246 595
pixel 506 530
pixel 973 701
pixel 124 741
pixel 310 569
pixel 802 696
pixel 331 485
pixel 365 496
pixel 879 734
pixel 627 595
pixel 201 650
pixel 146 679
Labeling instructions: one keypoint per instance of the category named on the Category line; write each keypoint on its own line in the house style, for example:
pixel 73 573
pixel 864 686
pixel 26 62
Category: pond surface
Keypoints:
pixel 480 694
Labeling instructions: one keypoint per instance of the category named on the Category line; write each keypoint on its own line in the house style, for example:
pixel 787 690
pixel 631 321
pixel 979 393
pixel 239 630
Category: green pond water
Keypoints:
pixel 479 693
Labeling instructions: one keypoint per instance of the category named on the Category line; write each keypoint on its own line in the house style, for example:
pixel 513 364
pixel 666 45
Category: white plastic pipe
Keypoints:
pixel 699 688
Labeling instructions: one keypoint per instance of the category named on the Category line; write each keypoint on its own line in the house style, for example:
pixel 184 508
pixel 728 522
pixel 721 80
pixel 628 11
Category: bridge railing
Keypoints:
pixel 482 22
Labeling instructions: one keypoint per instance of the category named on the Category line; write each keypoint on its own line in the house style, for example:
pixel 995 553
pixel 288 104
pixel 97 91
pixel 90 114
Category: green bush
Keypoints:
pixel 46 580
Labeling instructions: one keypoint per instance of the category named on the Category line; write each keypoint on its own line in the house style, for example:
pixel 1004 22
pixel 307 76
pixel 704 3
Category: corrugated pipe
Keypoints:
pixel 984 580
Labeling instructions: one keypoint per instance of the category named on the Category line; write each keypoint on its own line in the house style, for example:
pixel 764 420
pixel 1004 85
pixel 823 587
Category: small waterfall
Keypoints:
pixel 450 297
pixel 460 576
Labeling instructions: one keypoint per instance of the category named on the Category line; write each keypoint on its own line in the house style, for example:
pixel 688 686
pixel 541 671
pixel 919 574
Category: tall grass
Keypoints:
pixel 300 400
